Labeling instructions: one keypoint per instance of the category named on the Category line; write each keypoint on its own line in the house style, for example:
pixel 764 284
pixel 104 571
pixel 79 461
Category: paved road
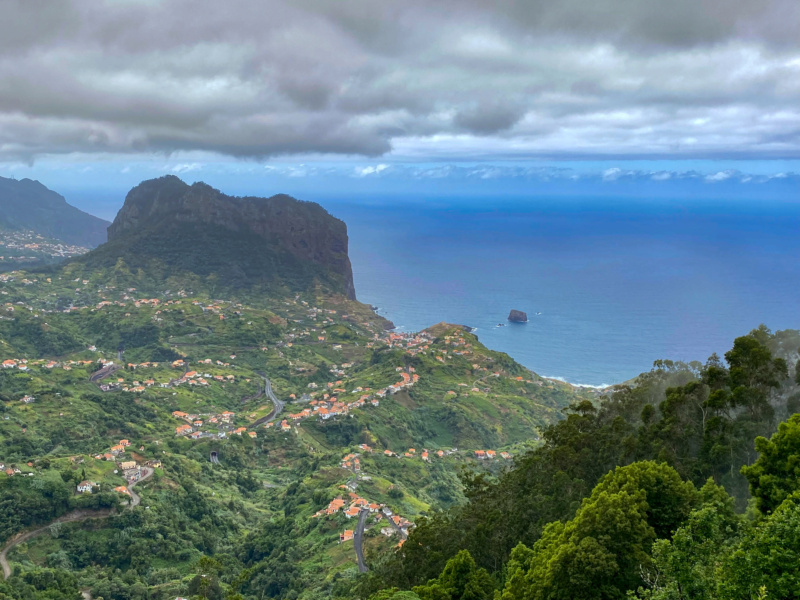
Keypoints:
pixel 73 517
pixel 358 540
pixel 147 472
pixel 98 376
pixel 278 404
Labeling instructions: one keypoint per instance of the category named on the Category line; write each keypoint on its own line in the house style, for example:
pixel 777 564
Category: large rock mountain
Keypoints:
pixel 29 205
pixel 167 227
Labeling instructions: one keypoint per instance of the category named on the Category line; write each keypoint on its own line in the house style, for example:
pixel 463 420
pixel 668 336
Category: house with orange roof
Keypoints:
pixel 335 506
pixel 351 512
pixel 346 536
pixel 480 454
pixel 183 429
pixel 490 453
pixel 240 430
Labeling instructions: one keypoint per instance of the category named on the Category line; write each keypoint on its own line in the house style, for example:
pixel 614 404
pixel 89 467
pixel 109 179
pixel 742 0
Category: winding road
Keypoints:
pixel 73 517
pixel 278 404
pixel 358 540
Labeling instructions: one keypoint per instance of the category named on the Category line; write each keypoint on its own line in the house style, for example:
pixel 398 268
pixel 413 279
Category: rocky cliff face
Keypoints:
pixel 200 229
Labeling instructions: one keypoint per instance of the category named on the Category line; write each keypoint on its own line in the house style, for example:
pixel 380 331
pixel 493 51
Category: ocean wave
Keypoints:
pixel 602 386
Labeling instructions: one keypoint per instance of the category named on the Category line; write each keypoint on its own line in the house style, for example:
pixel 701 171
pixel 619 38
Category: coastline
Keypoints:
pixel 601 387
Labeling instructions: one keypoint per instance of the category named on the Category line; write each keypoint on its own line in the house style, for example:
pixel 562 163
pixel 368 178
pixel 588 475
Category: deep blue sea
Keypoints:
pixel 609 286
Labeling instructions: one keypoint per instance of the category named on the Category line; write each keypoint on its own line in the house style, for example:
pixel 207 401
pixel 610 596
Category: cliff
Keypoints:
pixel 28 205
pixel 240 242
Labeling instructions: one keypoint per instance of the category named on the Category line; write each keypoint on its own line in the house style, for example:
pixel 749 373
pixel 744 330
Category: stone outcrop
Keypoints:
pixel 517 316
pixel 277 241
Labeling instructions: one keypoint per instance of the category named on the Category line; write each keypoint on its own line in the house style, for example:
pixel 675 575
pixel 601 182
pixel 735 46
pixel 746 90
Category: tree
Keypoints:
pixel 776 473
pixel 767 557
pixel 206 583
pixel 461 579
pixel 601 553
pixel 685 567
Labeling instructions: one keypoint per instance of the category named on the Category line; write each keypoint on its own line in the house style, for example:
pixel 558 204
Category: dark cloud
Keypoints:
pixel 459 78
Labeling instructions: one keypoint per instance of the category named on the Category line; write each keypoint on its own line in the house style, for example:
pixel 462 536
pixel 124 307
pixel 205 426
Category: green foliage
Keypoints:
pixel 461 579
pixel 686 566
pixel 768 557
pixel 703 426
pixel 600 553
pixel 776 473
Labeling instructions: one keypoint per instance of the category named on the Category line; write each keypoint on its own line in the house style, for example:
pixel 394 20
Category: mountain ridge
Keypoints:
pixel 27 204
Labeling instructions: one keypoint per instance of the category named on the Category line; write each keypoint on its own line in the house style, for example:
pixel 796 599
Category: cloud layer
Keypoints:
pixel 447 79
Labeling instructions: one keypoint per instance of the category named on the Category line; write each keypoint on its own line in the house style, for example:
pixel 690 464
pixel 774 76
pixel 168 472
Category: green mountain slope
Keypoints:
pixel 440 392
pixel 27 205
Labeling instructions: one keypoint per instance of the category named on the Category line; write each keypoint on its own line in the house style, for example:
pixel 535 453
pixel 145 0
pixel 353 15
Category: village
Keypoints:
pixel 30 247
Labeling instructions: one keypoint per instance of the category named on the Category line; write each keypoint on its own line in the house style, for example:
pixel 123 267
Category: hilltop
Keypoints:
pixel 29 206
pixel 169 230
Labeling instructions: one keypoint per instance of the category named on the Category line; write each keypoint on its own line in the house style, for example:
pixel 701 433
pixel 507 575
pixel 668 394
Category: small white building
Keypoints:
pixel 85 487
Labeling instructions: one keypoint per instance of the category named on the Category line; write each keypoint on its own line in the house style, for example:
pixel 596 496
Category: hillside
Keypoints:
pixel 174 231
pixel 28 206
pixel 365 414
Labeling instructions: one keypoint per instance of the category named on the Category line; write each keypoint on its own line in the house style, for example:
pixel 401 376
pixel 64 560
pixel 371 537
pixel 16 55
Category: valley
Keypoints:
pixel 376 423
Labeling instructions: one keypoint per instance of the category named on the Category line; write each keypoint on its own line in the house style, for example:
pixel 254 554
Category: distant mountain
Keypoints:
pixel 29 205
pixel 168 229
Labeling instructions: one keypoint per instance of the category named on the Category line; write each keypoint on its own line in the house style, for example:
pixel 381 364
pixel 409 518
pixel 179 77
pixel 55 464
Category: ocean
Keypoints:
pixel 609 286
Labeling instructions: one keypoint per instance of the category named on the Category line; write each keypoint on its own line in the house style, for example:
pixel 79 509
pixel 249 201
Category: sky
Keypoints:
pixel 401 96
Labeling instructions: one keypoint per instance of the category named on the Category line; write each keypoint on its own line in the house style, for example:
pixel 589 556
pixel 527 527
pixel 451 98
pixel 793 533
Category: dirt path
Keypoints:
pixel 73 517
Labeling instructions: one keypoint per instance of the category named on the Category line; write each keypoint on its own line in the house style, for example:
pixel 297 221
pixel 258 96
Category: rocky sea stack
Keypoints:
pixel 517 316
pixel 167 227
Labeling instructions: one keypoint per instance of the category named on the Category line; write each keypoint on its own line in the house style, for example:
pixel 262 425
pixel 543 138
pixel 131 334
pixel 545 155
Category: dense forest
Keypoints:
pixel 668 489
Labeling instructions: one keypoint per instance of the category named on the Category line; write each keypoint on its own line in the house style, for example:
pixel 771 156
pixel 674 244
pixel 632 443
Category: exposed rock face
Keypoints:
pixel 517 316
pixel 248 240
pixel 29 205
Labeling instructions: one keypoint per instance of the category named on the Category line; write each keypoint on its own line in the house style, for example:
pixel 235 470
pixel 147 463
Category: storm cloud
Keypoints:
pixel 409 78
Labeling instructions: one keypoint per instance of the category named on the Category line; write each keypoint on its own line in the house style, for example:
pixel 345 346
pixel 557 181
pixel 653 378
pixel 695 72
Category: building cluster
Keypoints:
pixel 24 364
pixel 194 422
pixel 490 455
